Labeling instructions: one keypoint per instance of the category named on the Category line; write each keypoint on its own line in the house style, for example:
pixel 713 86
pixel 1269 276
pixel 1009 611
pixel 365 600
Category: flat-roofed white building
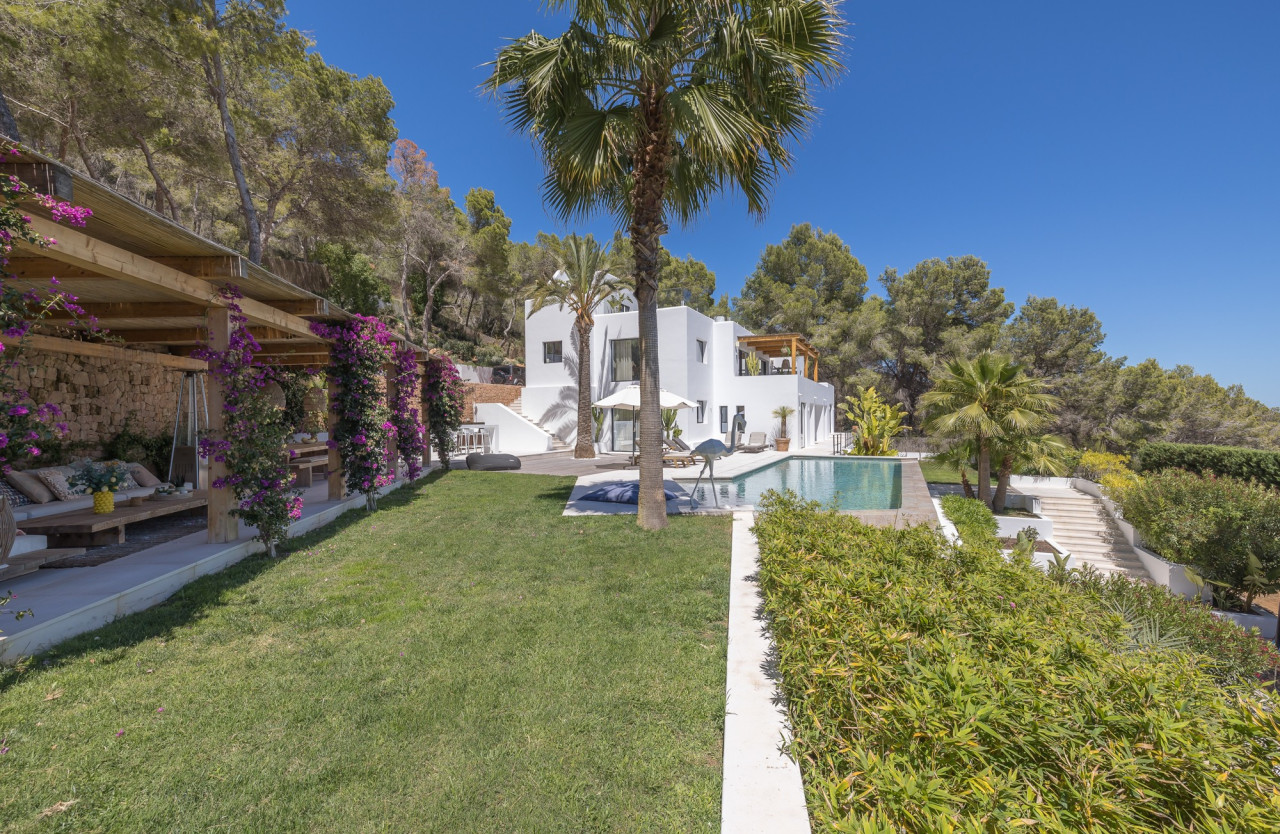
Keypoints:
pixel 707 361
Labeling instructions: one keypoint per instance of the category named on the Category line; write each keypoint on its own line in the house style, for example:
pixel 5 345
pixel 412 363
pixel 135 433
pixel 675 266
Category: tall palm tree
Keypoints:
pixel 582 283
pixel 987 399
pixel 648 109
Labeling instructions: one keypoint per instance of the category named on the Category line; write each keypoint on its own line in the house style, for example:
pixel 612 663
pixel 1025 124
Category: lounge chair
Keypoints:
pixel 757 442
pixel 672 455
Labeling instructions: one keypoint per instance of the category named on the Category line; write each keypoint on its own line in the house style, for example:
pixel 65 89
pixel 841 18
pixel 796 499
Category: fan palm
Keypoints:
pixel 987 399
pixel 648 109
pixel 1041 454
pixel 583 281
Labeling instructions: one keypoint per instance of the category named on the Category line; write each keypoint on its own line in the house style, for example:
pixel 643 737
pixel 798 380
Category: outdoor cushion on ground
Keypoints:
pixel 621 494
pixel 491 463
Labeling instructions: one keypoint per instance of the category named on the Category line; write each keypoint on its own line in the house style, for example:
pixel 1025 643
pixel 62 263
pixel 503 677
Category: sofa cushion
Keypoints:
pixel 29 485
pixel 12 494
pixel 143 476
pixel 56 481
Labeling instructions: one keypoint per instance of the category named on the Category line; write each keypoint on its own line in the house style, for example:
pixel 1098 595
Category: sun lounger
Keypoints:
pixel 673 456
pixel 757 442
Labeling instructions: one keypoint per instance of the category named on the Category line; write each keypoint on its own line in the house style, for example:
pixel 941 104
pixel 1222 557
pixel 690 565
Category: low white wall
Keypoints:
pixel 516 435
pixel 1033 481
pixel 1265 623
pixel 1008 526
pixel 555 407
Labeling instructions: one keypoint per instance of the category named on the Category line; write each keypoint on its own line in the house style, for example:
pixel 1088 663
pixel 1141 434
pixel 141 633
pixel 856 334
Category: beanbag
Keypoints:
pixel 492 463
pixel 621 494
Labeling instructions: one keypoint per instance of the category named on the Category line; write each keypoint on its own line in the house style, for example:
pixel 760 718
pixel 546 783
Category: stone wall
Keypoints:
pixel 98 395
pixel 479 392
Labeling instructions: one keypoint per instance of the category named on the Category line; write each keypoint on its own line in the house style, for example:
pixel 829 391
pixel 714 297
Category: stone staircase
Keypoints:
pixel 1082 525
pixel 557 445
pixel 29 553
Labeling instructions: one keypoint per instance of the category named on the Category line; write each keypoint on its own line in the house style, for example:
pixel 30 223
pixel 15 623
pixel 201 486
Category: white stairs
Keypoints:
pixel 557 445
pixel 1082 525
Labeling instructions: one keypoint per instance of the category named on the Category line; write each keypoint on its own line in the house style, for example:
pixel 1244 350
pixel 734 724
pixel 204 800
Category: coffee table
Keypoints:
pixel 85 528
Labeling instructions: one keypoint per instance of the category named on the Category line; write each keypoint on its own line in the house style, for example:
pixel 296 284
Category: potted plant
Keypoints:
pixel 669 417
pixel 101 480
pixel 597 421
pixel 783 442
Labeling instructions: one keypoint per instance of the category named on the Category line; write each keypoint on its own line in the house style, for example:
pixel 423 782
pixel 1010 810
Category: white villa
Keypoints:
pixel 707 361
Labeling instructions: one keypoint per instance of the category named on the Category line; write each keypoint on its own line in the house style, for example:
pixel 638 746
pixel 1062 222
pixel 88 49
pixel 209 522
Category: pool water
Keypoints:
pixel 851 483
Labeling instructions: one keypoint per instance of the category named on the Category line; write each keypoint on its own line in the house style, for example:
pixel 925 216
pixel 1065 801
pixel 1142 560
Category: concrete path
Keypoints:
pixel 763 791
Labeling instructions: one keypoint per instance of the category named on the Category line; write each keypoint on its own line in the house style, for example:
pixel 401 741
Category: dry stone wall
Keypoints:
pixel 479 392
pixel 98 395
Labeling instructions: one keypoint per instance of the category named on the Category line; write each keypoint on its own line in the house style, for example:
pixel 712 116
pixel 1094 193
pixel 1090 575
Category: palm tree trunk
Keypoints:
pixel 1002 484
pixel 964 481
pixel 584 448
pixel 984 471
pixel 647 225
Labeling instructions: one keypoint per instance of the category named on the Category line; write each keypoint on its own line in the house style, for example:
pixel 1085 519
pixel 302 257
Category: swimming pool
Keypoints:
pixel 852 483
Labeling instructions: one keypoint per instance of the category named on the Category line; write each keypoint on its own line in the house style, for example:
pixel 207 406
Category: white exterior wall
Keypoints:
pixel 550 393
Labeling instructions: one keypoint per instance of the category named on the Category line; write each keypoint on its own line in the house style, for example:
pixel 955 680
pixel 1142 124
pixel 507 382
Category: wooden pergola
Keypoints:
pixel 155 286
pixel 778 345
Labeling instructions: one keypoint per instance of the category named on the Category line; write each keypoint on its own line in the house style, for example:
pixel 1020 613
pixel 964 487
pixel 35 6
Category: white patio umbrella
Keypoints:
pixel 629 397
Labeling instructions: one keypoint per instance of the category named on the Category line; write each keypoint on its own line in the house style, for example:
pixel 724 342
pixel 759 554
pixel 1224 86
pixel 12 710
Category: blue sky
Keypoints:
pixel 1116 155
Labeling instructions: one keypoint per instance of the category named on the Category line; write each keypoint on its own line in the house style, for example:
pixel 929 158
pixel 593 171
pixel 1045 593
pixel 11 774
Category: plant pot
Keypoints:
pixel 104 502
pixel 1260 619
pixel 782 444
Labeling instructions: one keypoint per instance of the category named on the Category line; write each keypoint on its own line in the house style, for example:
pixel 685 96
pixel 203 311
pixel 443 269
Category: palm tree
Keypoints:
pixel 648 109
pixel 581 284
pixel 987 399
pixel 1043 454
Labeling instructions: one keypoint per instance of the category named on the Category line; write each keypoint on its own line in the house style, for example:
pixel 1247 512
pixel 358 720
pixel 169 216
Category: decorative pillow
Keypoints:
pixel 621 494
pixel 13 495
pixel 29 485
pixel 143 476
pixel 57 483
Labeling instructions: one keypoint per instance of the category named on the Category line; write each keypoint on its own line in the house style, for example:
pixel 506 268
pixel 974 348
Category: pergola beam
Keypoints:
pixel 94 350
pixel 192 335
pixel 80 250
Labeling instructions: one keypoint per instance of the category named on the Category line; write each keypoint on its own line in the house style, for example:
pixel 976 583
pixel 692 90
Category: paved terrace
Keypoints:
pixel 917 505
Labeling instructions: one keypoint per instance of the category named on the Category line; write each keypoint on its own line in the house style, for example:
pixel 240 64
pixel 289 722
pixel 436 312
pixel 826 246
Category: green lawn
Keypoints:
pixel 936 473
pixel 464 660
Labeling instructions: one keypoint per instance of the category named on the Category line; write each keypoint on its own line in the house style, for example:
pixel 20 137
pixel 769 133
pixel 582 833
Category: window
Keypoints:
pixel 724 419
pixel 626 360
pixel 702 411
pixel 552 353
pixel 702 354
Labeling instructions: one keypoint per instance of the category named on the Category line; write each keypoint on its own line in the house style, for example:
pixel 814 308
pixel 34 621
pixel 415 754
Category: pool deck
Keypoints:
pixel 917 505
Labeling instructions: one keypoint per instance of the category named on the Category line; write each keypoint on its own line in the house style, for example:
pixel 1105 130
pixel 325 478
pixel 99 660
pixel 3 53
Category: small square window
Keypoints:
pixel 702 351
pixel 702 411
pixel 552 353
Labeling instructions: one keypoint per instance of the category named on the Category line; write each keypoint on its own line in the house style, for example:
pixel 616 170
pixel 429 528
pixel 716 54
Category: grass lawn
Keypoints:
pixel 936 473
pixel 464 660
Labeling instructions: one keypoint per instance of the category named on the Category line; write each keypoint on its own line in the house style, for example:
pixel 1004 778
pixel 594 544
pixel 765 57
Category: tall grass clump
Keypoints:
pixel 934 687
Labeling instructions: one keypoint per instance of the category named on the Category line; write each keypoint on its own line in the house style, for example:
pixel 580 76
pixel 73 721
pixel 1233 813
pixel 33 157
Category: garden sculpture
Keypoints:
pixel 711 450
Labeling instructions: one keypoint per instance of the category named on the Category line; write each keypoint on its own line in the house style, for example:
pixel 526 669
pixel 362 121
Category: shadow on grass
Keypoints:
pixel 189 603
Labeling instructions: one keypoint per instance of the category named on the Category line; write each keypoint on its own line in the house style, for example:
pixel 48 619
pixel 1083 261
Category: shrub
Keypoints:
pixel 973 519
pixel 1235 655
pixel 1227 461
pixel 1210 523
pixel 939 688
pixel 443 395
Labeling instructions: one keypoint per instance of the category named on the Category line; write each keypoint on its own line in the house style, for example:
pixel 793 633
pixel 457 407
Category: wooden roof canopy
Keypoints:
pixel 792 345
pixel 151 282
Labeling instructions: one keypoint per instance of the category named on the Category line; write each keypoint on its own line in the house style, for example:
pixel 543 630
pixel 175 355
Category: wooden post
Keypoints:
pixel 223 527
pixel 795 360
pixel 393 451
pixel 337 480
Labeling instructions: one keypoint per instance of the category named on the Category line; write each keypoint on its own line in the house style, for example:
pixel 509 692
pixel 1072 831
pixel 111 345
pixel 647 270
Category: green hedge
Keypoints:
pixel 940 688
pixel 1228 461
pixel 973 519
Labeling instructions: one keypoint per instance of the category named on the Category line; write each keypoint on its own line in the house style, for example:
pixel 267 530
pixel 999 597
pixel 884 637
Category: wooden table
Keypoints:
pixel 308 449
pixel 306 458
pixel 82 528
